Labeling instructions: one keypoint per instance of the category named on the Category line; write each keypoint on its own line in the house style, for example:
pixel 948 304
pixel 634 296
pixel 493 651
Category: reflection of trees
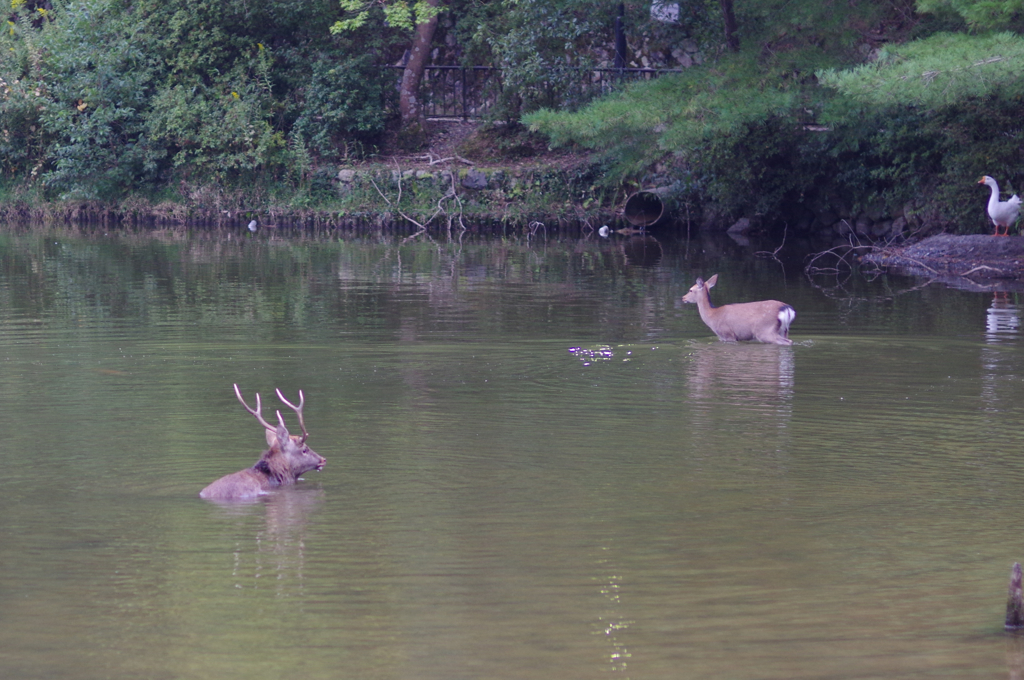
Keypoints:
pixel 326 286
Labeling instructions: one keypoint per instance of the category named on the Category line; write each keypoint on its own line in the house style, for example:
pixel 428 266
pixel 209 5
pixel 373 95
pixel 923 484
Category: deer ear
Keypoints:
pixel 712 281
pixel 282 433
pixel 279 436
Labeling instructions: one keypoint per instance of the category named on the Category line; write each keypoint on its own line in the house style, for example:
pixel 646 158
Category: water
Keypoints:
pixel 539 464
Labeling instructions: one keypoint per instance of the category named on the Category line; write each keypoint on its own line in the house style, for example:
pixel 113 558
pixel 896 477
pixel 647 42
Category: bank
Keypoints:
pixel 466 174
pixel 482 178
pixel 946 256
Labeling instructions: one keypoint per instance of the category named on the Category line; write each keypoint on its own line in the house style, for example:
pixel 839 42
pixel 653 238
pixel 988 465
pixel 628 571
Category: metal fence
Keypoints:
pixel 457 91
pixel 468 92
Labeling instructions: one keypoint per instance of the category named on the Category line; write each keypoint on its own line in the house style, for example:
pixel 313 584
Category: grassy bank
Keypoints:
pixel 436 188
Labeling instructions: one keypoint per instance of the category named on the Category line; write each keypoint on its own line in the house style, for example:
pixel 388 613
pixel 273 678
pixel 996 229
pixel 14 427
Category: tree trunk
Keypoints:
pixel 419 55
pixel 729 18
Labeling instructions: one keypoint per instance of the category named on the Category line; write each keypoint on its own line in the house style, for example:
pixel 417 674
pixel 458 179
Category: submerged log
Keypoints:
pixel 1015 601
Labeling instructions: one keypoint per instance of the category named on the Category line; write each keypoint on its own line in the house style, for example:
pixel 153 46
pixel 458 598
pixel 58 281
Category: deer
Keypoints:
pixel 764 321
pixel 281 465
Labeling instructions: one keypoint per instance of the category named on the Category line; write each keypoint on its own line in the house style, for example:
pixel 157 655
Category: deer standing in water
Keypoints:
pixel 287 458
pixel 764 321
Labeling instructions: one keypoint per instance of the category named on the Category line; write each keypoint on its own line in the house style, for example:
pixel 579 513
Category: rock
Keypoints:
pixel 898 225
pixel 842 227
pixel 475 179
pixel 825 219
pixel 346 175
pixel 666 12
pixel 875 211
pixel 741 226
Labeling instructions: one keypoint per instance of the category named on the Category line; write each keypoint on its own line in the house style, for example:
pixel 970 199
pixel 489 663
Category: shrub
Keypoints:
pixel 344 108
pixel 89 81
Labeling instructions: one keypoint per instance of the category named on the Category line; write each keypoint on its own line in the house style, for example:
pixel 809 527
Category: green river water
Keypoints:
pixel 540 464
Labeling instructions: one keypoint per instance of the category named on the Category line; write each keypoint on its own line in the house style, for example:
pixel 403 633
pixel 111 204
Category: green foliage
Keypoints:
pixel 89 81
pixel 101 97
pixel 979 13
pixel 681 114
pixel 674 114
pixel 547 49
pixel 754 134
pixel 940 70
pixel 22 141
pixel 344 106
pixel 396 13
pixel 223 128
pixel 543 45
pixel 213 132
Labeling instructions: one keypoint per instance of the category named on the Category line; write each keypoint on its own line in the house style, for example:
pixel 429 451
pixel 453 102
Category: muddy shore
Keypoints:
pixel 977 257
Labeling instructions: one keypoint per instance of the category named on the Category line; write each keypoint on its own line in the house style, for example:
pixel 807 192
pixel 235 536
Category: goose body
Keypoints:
pixel 1002 213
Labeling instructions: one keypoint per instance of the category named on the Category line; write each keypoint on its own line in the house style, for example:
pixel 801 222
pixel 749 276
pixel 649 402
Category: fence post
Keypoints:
pixel 620 38
pixel 462 72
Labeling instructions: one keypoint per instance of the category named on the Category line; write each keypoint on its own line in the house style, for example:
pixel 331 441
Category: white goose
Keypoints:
pixel 1002 213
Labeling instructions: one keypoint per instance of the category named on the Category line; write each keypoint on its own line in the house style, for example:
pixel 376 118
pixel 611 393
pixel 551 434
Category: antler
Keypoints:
pixel 257 413
pixel 298 411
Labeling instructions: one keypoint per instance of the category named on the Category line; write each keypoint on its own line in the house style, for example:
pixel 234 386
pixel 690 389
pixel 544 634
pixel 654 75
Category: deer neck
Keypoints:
pixel 704 306
pixel 264 467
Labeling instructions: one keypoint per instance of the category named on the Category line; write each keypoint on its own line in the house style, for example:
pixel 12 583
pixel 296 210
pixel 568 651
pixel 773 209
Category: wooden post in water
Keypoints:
pixel 1015 601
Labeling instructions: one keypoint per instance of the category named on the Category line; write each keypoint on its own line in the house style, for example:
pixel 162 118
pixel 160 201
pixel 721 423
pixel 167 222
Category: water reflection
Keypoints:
pixel 1015 655
pixel 745 375
pixel 611 623
pixel 1003 317
pixel 643 251
pixel 498 509
pixel 1002 329
pixel 274 555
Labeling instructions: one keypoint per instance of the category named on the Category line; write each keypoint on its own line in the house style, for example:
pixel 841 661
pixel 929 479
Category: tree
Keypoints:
pixel 419 54
pixel 729 20
pixel 978 13
pixel 419 18
pixel 940 70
